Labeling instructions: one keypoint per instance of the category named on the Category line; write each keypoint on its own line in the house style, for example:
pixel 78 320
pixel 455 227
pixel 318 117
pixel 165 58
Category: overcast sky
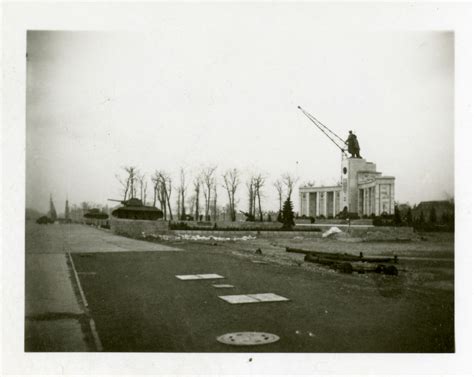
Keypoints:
pixel 224 91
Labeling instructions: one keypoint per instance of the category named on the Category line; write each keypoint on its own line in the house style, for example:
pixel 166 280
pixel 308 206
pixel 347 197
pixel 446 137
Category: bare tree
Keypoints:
pixel 214 204
pixel 208 180
pixel 178 205
pixel 181 195
pixel 278 184
pixel 163 190
pixel 289 181
pixel 143 186
pixel 145 189
pixel 128 182
pixel 125 183
pixel 191 203
pixel 132 176
pixel 259 180
pixel 167 188
pixel 197 188
pixel 231 182
pixel 251 193
pixel 156 186
pixel 158 193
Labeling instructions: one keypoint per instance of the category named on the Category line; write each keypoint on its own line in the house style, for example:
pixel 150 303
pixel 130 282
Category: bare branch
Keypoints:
pixel 231 182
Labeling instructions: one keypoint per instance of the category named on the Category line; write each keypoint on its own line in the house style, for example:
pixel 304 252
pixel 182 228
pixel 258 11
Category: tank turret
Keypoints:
pixel 135 210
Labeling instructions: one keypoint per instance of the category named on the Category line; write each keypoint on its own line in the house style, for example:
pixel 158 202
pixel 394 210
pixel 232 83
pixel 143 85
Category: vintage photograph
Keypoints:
pixel 239 189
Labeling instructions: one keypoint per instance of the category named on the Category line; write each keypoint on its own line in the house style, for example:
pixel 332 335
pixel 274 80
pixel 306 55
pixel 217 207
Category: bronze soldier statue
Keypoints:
pixel 353 145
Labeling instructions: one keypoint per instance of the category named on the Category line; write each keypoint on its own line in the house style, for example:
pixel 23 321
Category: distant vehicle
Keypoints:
pixel 135 210
pixel 95 213
pixel 44 220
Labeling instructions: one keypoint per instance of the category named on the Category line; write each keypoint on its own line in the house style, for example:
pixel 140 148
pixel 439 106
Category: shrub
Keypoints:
pixel 287 215
pixel 397 220
pixel 408 217
pixel 280 217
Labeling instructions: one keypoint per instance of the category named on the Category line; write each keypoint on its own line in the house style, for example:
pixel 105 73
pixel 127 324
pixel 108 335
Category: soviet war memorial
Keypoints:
pixel 204 189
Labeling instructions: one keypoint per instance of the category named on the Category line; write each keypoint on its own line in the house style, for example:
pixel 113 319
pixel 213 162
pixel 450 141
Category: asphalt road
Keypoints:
pixel 139 305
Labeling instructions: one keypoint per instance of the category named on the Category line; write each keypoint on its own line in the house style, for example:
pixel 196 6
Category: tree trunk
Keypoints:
pixel 214 209
pixel 183 208
pixel 259 206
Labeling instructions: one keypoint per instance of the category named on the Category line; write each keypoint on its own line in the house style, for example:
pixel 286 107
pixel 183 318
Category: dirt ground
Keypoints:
pixel 426 264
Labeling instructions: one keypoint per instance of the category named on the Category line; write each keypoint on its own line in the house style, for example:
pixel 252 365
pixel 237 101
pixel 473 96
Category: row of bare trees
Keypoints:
pixel 205 184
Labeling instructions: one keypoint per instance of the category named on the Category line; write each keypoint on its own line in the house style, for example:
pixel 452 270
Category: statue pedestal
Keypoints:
pixel 351 169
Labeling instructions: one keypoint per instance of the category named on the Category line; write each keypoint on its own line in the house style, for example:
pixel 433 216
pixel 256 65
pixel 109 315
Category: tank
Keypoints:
pixel 135 210
pixel 95 213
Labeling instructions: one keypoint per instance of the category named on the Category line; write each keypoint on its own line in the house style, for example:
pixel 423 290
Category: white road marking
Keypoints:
pixel 199 277
pixel 253 298
pixel 268 297
pixel 222 286
pixel 210 276
pixel 238 299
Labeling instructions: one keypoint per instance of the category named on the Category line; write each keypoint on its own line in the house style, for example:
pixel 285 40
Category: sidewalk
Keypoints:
pixel 53 313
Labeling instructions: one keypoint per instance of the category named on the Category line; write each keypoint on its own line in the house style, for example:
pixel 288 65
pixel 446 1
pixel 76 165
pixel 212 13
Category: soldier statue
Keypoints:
pixel 353 145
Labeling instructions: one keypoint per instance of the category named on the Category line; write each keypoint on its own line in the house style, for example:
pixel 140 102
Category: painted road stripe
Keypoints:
pixel 210 276
pixel 222 286
pixel 199 277
pixel 95 335
pixel 238 299
pixel 253 298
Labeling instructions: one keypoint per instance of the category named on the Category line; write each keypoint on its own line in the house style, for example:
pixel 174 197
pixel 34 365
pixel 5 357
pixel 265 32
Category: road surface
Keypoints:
pixel 138 304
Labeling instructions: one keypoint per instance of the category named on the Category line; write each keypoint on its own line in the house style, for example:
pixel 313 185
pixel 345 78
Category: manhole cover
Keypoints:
pixel 247 338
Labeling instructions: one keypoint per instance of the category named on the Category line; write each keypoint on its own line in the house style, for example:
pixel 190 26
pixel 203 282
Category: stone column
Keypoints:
pixel 377 199
pixel 308 197
pixel 370 202
pixel 392 198
pixel 373 200
pixel 366 204
pixel 325 205
pixel 317 203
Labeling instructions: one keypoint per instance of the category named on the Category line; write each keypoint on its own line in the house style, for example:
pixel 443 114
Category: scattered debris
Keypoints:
pixel 196 237
pixel 332 230
pixel 258 251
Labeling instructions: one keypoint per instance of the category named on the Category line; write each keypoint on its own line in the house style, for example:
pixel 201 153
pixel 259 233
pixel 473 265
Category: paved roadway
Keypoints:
pixel 137 304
